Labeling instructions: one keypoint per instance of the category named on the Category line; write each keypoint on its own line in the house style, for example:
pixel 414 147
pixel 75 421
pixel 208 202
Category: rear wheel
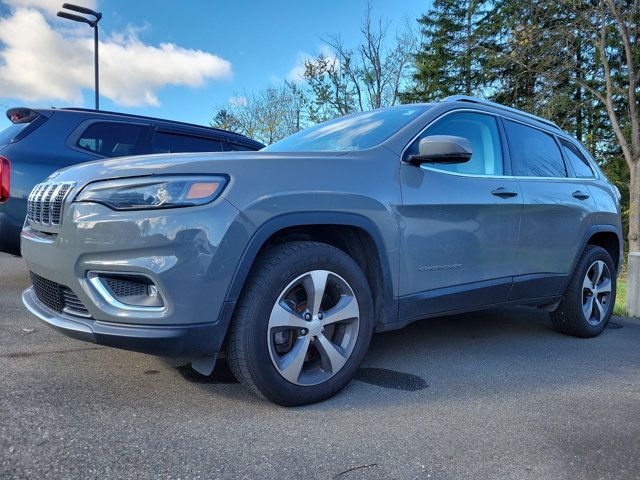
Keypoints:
pixel 587 304
pixel 303 324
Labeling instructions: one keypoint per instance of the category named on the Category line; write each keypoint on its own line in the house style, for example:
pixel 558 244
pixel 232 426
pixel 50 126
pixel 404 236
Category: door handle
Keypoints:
pixel 580 195
pixel 504 192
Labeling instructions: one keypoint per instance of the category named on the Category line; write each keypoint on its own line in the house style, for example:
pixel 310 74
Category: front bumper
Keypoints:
pixel 192 341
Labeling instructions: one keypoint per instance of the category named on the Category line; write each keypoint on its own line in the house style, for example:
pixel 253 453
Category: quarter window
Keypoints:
pixel 577 160
pixel 481 130
pixel 111 139
pixel 534 153
pixel 164 142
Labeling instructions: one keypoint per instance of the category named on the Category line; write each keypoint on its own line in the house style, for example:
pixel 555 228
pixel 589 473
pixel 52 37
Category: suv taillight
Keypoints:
pixel 5 177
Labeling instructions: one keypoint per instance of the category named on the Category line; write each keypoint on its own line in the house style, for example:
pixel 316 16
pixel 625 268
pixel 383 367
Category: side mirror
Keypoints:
pixel 442 149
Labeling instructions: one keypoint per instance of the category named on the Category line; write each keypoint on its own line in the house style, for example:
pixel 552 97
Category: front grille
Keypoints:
pixel 126 288
pixel 57 297
pixel 44 206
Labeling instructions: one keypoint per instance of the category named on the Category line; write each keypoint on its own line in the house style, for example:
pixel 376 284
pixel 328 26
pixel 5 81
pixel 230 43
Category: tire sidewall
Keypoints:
pixel 266 376
pixel 575 298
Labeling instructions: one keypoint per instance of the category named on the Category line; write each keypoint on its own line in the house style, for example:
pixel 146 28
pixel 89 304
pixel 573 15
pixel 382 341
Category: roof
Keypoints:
pixel 481 101
pixel 142 117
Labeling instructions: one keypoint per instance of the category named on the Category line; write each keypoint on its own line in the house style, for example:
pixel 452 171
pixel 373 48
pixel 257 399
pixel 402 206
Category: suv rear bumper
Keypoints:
pixel 193 341
pixel 9 234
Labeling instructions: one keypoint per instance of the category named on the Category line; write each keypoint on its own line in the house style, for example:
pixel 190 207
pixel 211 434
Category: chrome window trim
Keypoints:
pixel 477 175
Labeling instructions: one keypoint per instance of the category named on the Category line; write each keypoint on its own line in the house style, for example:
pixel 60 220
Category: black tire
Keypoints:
pixel 248 346
pixel 569 317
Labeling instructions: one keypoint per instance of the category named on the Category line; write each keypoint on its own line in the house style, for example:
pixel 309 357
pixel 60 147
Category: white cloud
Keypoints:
pixel 297 72
pixel 39 63
pixel 49 6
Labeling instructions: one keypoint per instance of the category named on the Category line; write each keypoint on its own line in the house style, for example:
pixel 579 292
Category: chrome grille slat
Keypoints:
pixel 46 203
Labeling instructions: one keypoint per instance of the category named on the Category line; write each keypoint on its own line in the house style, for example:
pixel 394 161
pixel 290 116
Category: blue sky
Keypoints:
pixel 253 42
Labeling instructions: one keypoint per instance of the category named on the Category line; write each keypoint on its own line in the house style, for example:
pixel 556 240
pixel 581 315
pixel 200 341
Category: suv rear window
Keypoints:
pixel 534 153
pixel 111 139
pixel 11 132
pixel 580 164
pixel 164 142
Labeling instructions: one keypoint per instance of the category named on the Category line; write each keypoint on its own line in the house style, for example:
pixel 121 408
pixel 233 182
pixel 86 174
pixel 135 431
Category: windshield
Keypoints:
pixel 353 132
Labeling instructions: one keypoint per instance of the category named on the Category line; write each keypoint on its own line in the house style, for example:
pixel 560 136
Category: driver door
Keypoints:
pixel 461 222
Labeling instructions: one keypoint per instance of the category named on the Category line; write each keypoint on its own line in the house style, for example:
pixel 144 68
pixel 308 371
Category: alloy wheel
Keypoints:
pixel 313 327
pixel 596 293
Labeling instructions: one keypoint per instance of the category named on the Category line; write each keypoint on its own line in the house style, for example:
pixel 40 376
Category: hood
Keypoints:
pixel 229 163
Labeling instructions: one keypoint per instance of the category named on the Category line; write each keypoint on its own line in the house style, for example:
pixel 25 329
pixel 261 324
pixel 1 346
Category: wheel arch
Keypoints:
pixel 608 237
pixel 356 235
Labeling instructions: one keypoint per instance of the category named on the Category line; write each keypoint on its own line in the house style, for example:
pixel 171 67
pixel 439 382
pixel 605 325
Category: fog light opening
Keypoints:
pixel 127 291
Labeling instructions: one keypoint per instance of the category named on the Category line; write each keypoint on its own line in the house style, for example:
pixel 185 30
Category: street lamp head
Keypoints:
pixel 85 10
pixel 77 18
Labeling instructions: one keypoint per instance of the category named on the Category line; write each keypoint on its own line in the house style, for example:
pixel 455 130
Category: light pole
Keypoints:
pixel 93 23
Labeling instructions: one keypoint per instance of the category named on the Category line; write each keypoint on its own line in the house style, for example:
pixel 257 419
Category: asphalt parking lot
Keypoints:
pixel 496 394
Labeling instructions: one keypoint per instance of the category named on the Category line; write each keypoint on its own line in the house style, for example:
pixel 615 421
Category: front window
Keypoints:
pixel 481 130
pixel 353 132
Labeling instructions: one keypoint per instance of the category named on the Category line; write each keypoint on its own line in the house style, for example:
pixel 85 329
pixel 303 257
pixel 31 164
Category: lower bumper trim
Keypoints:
pixel 193 341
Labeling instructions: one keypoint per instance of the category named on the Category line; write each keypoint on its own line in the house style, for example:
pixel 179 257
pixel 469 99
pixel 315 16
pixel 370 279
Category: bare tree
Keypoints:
pixel 267 115
pixel 368 75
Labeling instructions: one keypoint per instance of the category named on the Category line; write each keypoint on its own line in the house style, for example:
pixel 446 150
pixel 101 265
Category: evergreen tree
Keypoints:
pixel 450 59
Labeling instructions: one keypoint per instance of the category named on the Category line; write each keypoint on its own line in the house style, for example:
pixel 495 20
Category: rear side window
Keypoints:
pixel 534 153
pixel 164 142
pixel 580 164
pixel 12 131
pixel 236 147
pixel 111 139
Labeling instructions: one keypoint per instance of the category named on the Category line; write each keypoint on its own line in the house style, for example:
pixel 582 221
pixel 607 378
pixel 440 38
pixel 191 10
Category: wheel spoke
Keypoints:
pixel 333 357
pixel 290 365
pixel 587 284
pixel 283 317
pixel 346 309
pixel 605 286
pixel 597 272
pixel 599 307
pixel 314 284
pixel 587 308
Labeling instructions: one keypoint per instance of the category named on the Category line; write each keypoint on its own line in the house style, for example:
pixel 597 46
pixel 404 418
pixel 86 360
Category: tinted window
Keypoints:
pixel 353 132
pixel 111 139
pixel 481 130
pixel 236 147
pixel 164 142
pixel 577 160
pixel 11 132
pixel 534 153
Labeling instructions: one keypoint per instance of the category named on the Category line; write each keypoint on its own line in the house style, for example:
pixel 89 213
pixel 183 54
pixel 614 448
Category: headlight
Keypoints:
pixel 153 192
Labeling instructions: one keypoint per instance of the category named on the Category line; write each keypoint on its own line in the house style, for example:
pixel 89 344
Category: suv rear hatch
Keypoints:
pixel 23 122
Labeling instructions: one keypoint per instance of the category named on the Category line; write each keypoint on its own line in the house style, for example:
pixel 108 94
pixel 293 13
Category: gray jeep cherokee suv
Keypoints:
pixel 288 259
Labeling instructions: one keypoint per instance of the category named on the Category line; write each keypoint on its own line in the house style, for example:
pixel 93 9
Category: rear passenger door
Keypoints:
pixel 558 209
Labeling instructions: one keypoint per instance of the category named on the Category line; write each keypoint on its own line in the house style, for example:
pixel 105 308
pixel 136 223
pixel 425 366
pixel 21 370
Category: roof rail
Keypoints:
pixel 143 117
pixel 466 98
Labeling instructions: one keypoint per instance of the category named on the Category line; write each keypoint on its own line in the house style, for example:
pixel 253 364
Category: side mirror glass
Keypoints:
pixel 442 149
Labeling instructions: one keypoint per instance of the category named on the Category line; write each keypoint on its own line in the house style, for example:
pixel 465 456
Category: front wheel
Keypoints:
pixel 587 304
pixel 303 324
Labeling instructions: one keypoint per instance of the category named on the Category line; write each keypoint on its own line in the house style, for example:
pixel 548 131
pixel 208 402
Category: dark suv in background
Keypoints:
pixel 41 141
